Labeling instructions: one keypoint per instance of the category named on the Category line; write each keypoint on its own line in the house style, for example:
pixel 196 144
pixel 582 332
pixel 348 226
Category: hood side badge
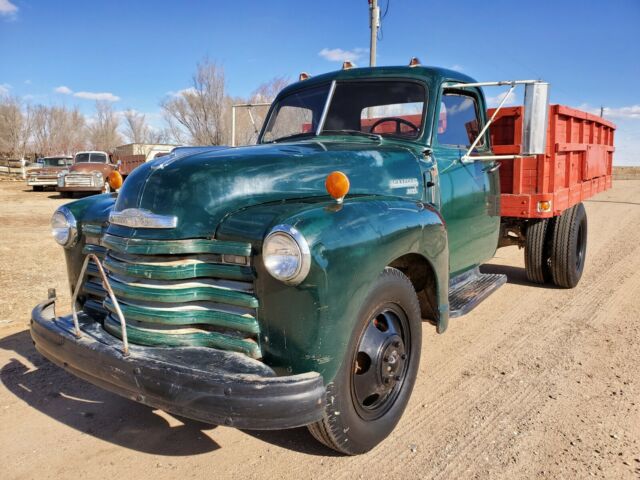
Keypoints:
pixel 141 218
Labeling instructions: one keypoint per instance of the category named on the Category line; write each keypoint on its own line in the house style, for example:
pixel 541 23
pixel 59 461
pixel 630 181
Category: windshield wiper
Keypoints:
pixel 289 137
pixel 373 136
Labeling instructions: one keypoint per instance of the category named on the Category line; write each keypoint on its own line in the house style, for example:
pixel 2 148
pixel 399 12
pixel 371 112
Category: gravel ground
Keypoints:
pixel 536 382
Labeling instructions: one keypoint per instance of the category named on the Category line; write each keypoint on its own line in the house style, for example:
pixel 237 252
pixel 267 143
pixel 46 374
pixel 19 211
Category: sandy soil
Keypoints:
pixel 534 383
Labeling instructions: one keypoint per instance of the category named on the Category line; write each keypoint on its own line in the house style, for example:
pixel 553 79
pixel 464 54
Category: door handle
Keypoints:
pixel 492 169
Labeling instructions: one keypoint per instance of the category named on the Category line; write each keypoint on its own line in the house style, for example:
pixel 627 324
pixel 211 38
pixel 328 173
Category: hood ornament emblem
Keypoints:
pixel 141 218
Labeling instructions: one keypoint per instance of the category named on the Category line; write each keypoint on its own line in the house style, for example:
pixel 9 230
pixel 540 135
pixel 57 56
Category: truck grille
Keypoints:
pixel 78 181
pixel 177 293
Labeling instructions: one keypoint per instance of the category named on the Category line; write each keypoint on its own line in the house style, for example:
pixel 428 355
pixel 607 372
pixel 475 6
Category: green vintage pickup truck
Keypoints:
pixel 285 284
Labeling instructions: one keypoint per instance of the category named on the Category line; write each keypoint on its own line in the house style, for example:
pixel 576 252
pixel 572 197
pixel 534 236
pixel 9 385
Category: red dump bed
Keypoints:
pixel 576 166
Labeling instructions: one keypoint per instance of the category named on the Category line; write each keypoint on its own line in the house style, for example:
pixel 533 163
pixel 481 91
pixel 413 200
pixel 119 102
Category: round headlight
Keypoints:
pixel 286 255
pixel 64 227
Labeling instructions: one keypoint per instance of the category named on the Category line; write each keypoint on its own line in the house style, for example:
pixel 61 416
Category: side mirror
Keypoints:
pixel 534 126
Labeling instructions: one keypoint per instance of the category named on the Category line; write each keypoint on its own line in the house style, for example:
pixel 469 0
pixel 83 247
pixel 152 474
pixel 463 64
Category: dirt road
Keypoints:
pixel 534 383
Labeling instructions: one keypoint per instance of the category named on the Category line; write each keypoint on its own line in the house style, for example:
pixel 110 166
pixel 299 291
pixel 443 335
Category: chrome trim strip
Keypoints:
pixel 141 218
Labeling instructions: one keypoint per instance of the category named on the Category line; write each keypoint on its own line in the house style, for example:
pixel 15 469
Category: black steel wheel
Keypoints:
pixel 370 392
pixel 379 367
pixel 569 247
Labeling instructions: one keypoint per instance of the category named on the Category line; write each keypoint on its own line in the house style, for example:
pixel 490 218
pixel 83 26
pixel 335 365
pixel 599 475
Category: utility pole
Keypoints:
pixel 602 111
pixel 374 24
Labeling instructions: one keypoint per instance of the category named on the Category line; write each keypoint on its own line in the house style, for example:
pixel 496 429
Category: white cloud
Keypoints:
pixel 4 88
pixel 340 55
pixel 7 9
pixel 495 101
pixel 628 112
pixel 456 67
pixel 104 96
pixel 64 90
pixel 181 93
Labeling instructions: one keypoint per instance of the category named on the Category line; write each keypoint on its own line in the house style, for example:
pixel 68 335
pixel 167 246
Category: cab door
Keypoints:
pixel 468 191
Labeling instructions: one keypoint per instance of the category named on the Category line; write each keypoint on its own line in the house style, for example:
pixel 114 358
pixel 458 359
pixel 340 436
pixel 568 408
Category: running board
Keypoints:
pixel 467 290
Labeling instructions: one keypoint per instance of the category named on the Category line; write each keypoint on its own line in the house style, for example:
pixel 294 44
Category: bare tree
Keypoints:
pixel 103 131
pixel 57 130
pixel 15 126
pixel 200 110
pixel 136 129
pixel 267 91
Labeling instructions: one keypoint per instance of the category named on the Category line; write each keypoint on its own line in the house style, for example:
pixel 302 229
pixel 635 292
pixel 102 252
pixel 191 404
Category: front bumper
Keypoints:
pixel 80 188
pixel 205 384
pixel 42 181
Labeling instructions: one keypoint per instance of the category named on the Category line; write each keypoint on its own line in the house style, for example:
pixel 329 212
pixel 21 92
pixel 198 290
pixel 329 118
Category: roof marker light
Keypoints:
pixel 346 65
pixel 414 62
pixel 303 76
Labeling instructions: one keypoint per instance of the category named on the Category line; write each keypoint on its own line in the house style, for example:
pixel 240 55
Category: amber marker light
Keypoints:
pixel 303 76
pixel 544 206
pixel 346 65
pixel 414 62
pixel 115 180
pixel 337 185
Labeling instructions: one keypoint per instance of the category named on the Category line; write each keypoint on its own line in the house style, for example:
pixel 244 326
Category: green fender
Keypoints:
pixel 307 327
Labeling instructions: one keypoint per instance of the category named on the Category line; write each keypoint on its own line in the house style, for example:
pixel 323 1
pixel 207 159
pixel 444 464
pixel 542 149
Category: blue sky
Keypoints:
pixel 135 52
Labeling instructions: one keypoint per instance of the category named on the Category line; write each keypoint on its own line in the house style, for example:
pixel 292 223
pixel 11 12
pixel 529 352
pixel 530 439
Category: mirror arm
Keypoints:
pixel 466 158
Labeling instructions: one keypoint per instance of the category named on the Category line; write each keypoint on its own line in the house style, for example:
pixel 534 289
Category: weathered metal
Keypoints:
pixel 412 204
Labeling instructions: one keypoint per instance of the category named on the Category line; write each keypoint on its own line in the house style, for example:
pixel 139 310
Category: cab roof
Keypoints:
pixel 431 75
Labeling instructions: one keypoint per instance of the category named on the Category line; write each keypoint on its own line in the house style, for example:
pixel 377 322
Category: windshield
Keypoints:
pixel 91 157
pixel 56 162
pixel 386 108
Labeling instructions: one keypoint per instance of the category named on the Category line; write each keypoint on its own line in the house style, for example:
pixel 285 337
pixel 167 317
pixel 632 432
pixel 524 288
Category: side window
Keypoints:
pixel 458 122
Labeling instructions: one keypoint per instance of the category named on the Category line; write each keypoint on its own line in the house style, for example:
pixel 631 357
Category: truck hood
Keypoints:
pixel 46 170
pixel 88 167
pixel 201 189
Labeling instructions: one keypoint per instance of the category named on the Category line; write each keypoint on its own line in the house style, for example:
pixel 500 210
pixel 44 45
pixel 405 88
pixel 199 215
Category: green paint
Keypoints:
pixel 157 247
pixel 226 201
pixel 143 336
pixel 210 293
pixel 178 272
pixel 153 315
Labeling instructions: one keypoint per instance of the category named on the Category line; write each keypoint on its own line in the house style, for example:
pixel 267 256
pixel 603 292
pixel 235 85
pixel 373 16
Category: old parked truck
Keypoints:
pixel 286 283
pixel 89 173
pixel 46 174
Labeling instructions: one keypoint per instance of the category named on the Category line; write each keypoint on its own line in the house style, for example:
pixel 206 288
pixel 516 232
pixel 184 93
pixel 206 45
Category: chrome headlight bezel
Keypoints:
pixel 64 233
pixel 299 244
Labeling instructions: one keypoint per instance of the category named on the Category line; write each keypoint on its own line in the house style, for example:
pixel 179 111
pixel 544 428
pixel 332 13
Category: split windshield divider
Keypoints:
pixel 325 110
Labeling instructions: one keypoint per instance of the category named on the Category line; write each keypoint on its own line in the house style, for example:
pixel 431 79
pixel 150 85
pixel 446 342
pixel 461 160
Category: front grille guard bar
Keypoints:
pixel 107 286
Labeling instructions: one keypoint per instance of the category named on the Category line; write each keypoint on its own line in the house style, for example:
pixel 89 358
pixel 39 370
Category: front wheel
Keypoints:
pixel 370 392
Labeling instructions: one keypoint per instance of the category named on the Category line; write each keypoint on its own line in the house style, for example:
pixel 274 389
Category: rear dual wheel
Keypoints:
pixel 370 392
pixel 569 247
pixel 556 248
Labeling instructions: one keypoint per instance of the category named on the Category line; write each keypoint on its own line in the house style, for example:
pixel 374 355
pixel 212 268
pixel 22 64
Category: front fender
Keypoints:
pixel 308 327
